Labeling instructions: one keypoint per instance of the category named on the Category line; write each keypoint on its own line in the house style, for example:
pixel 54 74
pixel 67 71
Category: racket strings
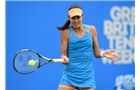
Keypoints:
pixel 21 62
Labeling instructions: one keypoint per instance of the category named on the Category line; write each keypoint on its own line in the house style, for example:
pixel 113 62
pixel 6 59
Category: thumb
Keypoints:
pixel 112 50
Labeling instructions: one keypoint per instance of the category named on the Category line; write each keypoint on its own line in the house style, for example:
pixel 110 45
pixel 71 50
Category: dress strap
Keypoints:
pixel 70 31
pixel 86 28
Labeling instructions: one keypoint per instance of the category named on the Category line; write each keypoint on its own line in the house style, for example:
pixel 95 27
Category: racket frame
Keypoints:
pixel 39 60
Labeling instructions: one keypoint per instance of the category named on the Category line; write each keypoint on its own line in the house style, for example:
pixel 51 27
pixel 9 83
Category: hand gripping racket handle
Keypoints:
pixel 58 60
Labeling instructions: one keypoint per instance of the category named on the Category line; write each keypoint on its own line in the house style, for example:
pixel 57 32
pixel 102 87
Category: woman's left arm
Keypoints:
pixel 97 52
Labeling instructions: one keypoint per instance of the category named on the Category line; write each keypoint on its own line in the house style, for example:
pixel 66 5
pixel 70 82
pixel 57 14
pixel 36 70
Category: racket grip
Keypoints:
pixel 58 60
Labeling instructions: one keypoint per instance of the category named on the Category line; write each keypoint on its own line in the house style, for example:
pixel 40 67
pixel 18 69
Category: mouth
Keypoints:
pixel 76 24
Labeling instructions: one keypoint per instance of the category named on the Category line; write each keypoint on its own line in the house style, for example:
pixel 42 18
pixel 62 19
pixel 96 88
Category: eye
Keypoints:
pixel 77 17
pixel 73 18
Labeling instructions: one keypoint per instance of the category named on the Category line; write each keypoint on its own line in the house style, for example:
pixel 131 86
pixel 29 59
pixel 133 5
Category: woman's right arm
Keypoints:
pixel 64 45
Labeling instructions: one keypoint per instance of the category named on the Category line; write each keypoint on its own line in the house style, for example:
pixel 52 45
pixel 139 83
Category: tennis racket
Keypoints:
pixel 22 58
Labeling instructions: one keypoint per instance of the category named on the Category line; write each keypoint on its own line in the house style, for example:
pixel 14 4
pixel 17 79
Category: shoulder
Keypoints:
pixel 65 33
pixel 92 29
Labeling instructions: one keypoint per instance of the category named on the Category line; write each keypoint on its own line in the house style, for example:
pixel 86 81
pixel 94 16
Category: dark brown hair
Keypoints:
pixel 67 23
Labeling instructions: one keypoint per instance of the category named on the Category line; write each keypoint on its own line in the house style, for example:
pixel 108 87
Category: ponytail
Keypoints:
pixel 65 26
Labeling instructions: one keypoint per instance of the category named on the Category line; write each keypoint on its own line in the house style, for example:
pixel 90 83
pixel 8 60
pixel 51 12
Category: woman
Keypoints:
pixel 78 41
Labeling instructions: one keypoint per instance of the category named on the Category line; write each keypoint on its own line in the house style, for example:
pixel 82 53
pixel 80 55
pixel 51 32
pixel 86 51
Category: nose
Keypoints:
pixel 76 19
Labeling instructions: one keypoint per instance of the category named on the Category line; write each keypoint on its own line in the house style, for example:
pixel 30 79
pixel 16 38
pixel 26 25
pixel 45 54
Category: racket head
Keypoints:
pixel 21 59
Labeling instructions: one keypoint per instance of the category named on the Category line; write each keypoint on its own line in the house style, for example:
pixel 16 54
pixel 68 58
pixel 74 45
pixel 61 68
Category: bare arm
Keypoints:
pixel 108 53
pixel 64 45
pixel 96 48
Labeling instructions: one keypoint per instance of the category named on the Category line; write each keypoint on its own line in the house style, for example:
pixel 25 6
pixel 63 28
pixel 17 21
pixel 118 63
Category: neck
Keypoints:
pixel 81 28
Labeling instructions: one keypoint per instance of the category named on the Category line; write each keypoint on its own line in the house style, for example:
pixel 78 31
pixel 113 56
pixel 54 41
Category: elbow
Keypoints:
pixel 97 55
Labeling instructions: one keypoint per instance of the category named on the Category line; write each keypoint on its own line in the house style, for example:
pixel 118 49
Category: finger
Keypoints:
pixel 116 57
pixel 66 60
pixel 112 59
pixel 112 50
pixel 116 60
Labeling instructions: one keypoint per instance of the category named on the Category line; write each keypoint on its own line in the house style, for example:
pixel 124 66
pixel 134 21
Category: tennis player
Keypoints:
pixel 78 41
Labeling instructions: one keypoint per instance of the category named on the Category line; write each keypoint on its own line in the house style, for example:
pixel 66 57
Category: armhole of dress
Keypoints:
pixel 70 31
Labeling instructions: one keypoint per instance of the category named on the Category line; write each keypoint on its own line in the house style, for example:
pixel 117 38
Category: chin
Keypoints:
pixel 77 26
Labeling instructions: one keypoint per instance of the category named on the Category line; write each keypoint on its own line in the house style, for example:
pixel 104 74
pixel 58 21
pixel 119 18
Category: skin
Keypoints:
pixel 78 30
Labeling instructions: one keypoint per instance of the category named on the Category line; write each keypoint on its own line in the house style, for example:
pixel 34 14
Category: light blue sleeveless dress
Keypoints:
pixel 79 71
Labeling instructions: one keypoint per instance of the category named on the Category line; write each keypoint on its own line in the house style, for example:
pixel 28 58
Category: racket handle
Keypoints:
pixel 58 60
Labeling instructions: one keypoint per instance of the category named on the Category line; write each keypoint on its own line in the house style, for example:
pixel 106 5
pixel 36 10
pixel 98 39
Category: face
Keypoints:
pixel 76 21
